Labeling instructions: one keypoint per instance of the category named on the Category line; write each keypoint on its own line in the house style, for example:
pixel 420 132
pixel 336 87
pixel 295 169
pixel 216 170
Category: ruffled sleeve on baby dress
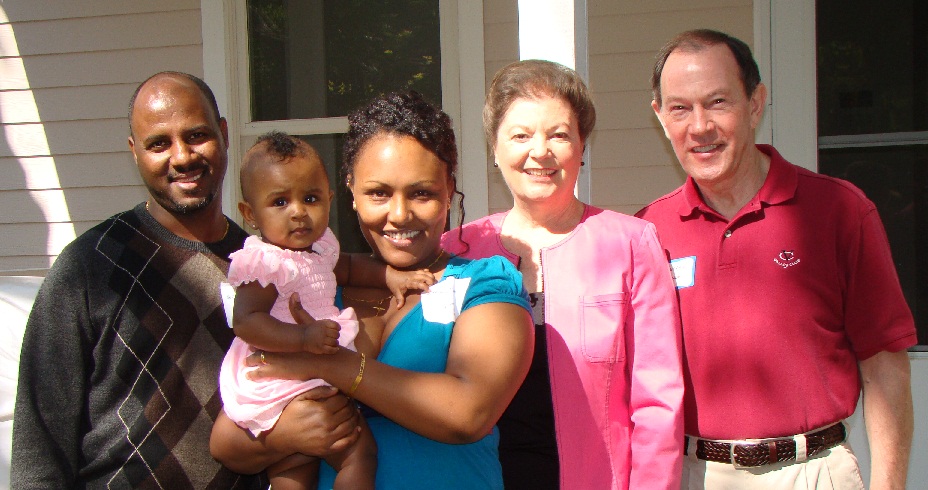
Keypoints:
pixel 260 261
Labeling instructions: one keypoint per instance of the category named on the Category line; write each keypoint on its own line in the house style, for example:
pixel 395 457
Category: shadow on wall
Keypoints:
pixel 65 83
pixel 24 153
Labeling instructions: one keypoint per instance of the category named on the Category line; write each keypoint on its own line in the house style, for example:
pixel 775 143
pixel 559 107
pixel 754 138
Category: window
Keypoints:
pixel 873 123
pixel 311 62
pixel 323 58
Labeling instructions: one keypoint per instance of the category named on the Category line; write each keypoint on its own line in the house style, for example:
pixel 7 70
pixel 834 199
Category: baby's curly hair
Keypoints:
pixel 279 145
pixel 406 114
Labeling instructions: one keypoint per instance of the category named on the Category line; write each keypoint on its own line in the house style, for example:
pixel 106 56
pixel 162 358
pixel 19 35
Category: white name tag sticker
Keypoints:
pixel 684 271
pixel 443 302
pixel 227 292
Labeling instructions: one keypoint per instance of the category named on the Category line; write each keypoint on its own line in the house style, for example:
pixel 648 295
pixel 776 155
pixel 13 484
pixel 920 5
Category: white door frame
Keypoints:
pixel 785 48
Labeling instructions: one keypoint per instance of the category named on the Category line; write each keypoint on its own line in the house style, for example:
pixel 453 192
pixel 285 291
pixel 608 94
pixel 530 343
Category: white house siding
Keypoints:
pixel 501 47
pixel 632 162
pixel 67 70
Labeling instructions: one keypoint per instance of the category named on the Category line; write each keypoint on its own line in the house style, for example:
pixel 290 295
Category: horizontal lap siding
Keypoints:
pixel 632 161
pixel 501 47
pixel 67 70
pixel 71 171
pixel 17 249
pixel 98 68
pixel 32 10
pixel 83 204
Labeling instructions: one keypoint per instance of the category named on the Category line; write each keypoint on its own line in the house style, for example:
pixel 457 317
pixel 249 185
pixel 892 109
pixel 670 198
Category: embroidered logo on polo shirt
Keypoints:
pixel 787 258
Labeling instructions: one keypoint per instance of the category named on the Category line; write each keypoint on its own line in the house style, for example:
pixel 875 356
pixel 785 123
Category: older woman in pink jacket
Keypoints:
pixel 601 406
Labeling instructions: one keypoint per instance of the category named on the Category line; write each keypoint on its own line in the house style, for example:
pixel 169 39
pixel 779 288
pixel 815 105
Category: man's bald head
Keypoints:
pixel 181 77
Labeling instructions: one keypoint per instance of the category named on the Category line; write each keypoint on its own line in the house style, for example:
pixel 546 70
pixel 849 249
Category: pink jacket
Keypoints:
pixel 614 349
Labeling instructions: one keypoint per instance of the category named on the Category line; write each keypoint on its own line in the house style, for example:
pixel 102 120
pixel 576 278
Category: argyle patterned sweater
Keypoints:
pixel 120 361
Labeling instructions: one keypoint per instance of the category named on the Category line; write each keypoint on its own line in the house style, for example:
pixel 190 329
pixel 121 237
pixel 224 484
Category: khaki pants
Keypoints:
pixel 832 469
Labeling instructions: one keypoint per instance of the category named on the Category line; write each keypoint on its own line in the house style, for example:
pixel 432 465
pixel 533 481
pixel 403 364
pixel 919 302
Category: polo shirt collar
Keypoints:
pixel 779 187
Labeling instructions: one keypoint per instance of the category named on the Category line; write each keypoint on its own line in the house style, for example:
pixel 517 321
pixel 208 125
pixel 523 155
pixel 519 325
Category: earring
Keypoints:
pixel 582 163
pixel 354 205
pixel 496 164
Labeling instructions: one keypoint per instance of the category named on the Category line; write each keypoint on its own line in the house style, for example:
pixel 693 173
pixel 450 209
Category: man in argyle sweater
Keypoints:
pixel 118 374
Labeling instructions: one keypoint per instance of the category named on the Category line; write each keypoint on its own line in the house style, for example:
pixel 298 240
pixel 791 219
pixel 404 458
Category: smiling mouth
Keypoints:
pixel 401 235
pixel 540 172
pixel 705 149
pixel 188 177
pixel 401 238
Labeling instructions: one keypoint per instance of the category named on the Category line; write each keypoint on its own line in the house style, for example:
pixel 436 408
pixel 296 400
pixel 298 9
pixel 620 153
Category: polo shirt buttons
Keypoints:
pixel 727 233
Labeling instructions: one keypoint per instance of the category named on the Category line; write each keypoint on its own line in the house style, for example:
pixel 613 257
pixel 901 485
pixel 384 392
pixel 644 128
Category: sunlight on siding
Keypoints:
pixel 26 139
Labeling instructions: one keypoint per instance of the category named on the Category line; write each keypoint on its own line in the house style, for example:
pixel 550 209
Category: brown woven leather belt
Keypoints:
pixel 767 451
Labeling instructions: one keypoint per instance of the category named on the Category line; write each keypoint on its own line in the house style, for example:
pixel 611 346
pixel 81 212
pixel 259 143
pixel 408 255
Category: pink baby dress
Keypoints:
pixel 256 404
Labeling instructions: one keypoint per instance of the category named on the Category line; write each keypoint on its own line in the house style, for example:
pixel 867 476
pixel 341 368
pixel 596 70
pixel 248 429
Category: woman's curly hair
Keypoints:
pixel 405 114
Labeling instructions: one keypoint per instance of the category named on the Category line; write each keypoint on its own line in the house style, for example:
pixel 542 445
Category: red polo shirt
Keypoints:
pixel 780 303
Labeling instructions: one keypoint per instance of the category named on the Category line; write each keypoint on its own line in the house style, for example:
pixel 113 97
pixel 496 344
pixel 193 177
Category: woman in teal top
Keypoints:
pixel 436 369
pixel 407 459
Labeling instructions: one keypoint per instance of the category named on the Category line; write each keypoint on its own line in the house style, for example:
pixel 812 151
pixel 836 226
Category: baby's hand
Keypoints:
pixel 321 337
pixel 401 282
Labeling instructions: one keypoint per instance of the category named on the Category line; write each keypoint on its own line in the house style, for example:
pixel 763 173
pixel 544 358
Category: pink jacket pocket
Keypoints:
pixel 602 325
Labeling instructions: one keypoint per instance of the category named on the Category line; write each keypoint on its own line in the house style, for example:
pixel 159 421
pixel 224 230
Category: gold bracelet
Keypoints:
pixel 357 380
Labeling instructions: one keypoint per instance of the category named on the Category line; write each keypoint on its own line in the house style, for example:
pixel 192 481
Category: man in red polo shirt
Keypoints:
pixel 789 298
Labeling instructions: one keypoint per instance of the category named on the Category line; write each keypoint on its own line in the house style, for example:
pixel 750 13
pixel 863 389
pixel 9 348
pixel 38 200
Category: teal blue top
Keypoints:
pixel 420 342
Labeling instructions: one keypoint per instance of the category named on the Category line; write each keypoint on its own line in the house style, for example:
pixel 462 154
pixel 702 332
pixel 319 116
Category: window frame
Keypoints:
pixel 225 67
pixel 785 49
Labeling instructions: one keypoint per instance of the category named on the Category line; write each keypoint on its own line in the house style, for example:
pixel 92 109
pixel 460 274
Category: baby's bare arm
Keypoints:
pixel 355 269
pixel 365 271
pixel 253 323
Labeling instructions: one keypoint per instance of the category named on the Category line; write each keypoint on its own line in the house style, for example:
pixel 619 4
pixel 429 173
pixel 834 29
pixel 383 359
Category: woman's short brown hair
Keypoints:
pixel 531 79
